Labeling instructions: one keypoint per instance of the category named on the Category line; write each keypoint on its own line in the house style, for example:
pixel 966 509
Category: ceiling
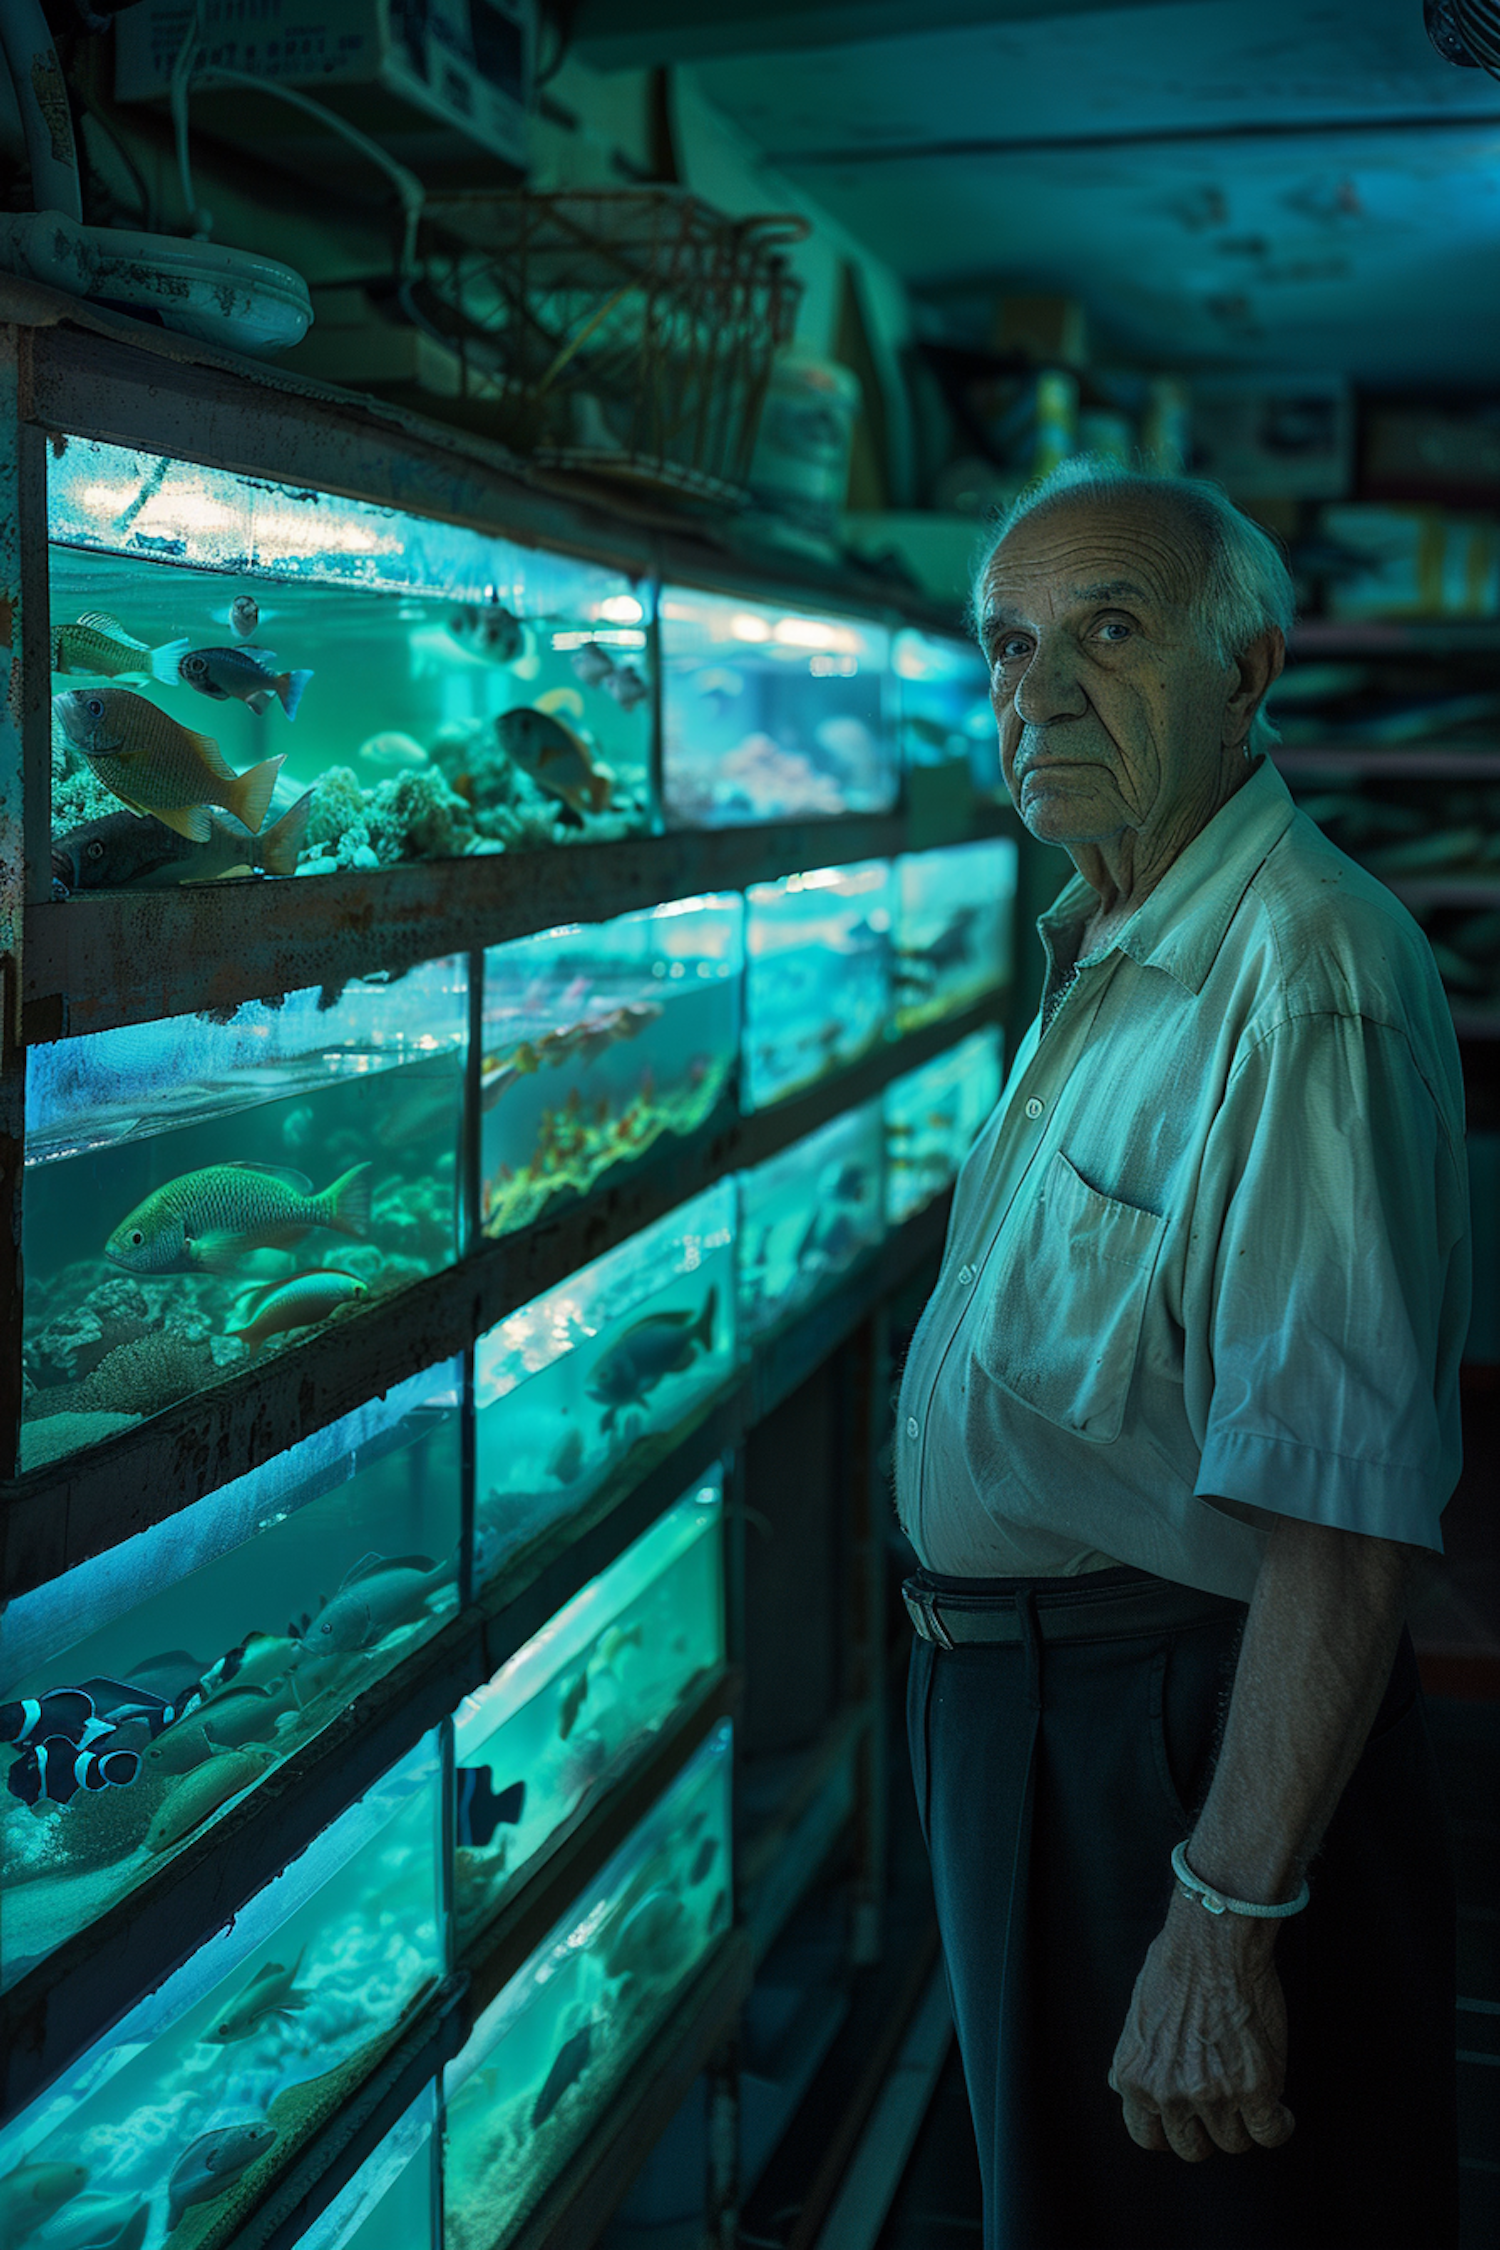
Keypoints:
pixel 1295 184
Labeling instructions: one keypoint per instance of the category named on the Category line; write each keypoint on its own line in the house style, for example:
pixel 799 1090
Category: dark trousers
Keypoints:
pixel 1053 1779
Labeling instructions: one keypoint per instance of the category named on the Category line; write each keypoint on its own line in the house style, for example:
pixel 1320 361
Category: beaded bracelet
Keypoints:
pixel 1214 1902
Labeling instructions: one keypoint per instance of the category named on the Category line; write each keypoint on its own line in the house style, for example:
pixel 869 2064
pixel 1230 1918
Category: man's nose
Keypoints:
pixel 1051 687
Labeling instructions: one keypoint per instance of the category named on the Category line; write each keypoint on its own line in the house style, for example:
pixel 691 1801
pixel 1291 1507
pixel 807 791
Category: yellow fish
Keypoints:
pixel 154 765
pixel 100 647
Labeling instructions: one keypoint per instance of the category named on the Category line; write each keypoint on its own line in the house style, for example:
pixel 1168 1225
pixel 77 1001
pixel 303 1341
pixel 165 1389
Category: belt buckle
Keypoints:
pixel 921 1604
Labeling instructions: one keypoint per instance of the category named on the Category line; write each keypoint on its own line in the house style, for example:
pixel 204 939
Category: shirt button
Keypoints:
pixel 1034 1108
pixel 965 1275
pixel 913 1426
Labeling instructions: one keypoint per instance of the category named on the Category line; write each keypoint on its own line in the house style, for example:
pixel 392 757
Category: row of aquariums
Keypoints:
pixel 252 681
pixel 148 1691
pixel 200 1194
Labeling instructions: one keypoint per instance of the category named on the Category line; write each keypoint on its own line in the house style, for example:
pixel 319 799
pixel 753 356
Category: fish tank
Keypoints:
pixel 391 2202
pixel 252 680
pixel 772 714
pixel 953 928
pixel 200 1195
pixel 547 2056
pixel 932 1116
pixel 576 1707
pixel 593 1382
pixel 144 1693
pixel 173 2126
pixel 819 966
pixel 945 721
pixel 807 1214
pixel 598 1040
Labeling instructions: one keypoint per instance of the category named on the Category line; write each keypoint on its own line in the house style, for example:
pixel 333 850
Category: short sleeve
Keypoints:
pixel 1326 1294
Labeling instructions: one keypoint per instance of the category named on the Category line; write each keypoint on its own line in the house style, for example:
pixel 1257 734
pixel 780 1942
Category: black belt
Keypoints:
pixel 1066 1609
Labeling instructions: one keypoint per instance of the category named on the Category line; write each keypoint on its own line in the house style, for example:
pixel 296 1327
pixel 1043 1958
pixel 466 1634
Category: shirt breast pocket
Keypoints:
pixel 1060 1323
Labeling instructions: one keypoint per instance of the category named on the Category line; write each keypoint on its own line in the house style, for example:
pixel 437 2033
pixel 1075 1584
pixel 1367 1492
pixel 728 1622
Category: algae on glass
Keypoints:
pixel 199 1194
pixel 171 2127
pixel 391 2202
pixel 944 717
pixel 286 681
pixel 598 1039
pixel 953 925
pixel 770 714
pixel 807 1214
pixel 147 1691
pixel 578 1705
pixel 591 1384
pixel 550 2053
pixel 818 975
pixel 932 1116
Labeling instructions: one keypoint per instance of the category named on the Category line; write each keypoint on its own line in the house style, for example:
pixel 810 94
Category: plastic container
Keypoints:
pixel 807 1215
pixel 932 1116
pixel 953 928
pixel 818 976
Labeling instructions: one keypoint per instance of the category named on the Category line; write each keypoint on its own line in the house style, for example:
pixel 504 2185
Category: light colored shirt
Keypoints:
pixel 1208 1262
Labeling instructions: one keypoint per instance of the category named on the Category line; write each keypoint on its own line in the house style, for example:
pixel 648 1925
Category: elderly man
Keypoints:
pixel 1179 1418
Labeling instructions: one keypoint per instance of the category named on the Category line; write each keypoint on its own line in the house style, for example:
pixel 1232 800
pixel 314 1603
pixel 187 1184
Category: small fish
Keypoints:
pixel 663 1344
pixel 244 675
pixel 592 664
pixel 100 647
pixel 649 1941
pixel 179 1750
pixel 244 616
pixel 375 1596
pixel 299 1303
pixel 619 1638
pixel 258 1660
pixel 32 2192
pixel 566 1458
pixel 209 2166
pixel 703 1859
pixel 556 757
pixel 56 1769
pixel 481 1811
pixel 272 1991
pixel 208 1220
pixel 568 2067
pixel 393 749
pixel 627 687
pixel 200 1793
pixel 96 2222
pixel 574 1696
pixel 120 847
pixel 851 1183
pixel 238 1715
pixel 492 633
pixel 65 1711
pixel 155 766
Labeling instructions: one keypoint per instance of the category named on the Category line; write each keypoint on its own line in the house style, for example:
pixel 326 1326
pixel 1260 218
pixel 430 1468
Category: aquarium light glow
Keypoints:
pixel 815 632
pixel 745 626
pixel 621 609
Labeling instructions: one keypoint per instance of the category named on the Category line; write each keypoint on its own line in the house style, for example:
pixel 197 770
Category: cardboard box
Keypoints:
pixel 433 81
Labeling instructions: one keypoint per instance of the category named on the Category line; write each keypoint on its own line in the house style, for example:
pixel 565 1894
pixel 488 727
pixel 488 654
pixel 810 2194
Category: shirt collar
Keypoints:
pixel 1180 926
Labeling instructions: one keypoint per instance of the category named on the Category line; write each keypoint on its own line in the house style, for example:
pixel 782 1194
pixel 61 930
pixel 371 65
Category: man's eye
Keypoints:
pixel 1011 649
pixel 1114 628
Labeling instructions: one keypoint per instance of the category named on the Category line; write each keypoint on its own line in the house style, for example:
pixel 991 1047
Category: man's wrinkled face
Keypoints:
pixel 1111 712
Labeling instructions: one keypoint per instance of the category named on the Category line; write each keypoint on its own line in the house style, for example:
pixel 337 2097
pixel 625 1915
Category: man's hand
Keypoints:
pixel 1202 2059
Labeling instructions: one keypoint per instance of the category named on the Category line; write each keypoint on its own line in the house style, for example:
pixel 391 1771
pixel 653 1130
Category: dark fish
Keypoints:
pixel 850 1185
pixel 703 1859
pixel 120 848
pixel 569 2067
pixel 574 1696
pixel 480 1811
pixel 66 1711
pixel 57 1769
pixel 244 675
pixel 663 1344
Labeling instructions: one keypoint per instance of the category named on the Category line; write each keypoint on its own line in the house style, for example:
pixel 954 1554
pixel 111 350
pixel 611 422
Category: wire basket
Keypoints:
pixel 622 333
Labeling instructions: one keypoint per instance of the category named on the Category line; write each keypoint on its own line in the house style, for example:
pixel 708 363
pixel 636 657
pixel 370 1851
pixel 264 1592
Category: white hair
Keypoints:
pixel 1245 589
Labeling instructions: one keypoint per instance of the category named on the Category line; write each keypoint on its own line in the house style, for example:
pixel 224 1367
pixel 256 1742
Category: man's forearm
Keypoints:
pixel 1314 1661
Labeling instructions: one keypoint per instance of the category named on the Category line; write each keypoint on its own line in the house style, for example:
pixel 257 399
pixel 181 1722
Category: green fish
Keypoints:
pixel 299 1303
pixel 100 648
pixel 155 766
pixel 209 1221
pixel 272 1991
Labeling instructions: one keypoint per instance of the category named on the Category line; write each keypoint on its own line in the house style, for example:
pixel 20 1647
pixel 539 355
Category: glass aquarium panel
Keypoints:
pixel 769 714
pixel 547 2056
pixel 598 1039
pixel 943 706
pixel 391 2202
pixel 172 2126
pixel 931 1118
pixel 285 681
pixel 818 975
pixel 182 1667
pixel 577 1706
pixel 198 1193
pixel 807 1214
pixel 953 928
pixel 593 1380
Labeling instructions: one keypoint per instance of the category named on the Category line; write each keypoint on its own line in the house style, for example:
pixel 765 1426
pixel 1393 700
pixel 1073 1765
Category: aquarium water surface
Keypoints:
pixel 403 689
pixel 391 2202
pixel 186 1664
pixel 807 1214
pixel 590 1383
pixel 771 714
pixel 173 2125
pixel 548 2055
pixel 818 975
pixel 943 709
pixel 599 1039
pixel 953 924
pixel 576 1707
pixel 932 1116
pixel 199 1195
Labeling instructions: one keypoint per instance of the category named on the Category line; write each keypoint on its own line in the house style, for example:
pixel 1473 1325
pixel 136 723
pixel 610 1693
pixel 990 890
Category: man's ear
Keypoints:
pixel 1257 669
